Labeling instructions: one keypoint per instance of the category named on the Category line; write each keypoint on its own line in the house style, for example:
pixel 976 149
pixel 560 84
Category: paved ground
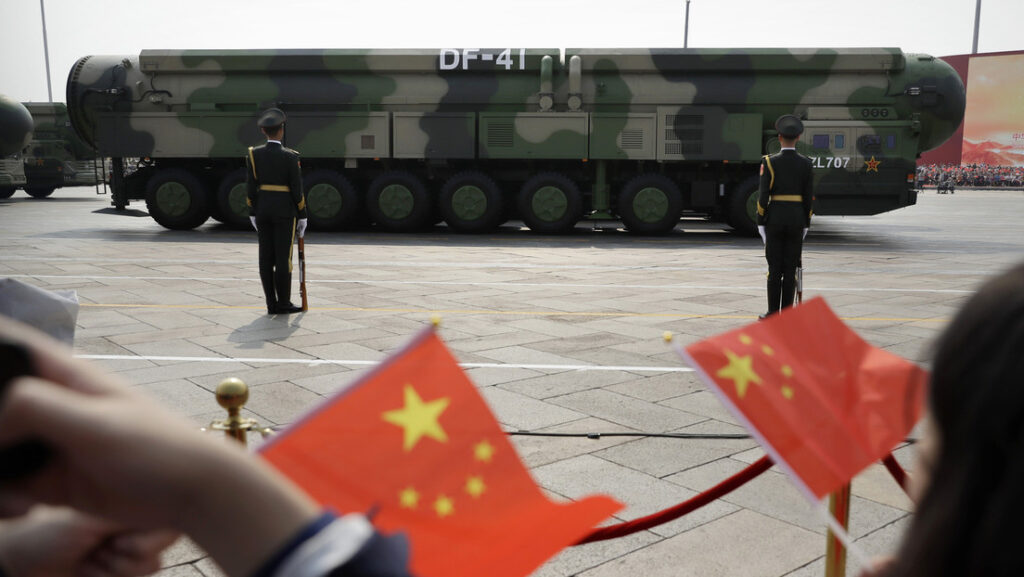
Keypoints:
pixel 571 328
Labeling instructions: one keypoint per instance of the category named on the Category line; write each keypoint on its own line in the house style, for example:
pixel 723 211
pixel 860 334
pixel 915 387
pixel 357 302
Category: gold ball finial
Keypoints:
pixel 667 336
pixel 435 320
pixel 232 393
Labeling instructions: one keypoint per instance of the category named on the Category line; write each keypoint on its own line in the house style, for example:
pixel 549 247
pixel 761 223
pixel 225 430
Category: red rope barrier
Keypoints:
pixel 896 471
pixel 696 502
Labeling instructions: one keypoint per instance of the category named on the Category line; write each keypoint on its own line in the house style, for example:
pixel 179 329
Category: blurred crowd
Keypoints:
pixel 970 175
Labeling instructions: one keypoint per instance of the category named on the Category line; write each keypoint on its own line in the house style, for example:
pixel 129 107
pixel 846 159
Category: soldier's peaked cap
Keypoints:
pixel 270 118
pixel 789 126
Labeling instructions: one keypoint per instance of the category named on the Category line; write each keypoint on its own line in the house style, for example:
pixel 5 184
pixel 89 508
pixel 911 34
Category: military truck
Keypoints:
pixel 55 157
pixel 474 137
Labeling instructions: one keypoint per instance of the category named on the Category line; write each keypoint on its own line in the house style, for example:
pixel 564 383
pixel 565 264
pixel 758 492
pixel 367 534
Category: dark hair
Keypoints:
pixel 968 520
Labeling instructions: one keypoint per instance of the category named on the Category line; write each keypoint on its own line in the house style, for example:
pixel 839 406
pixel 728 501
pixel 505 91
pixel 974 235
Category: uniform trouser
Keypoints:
pixel 276 236
pixel 782 247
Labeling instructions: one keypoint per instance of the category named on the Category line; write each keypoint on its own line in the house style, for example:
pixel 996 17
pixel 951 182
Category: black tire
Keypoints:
pixel 176 199
pixel 398 202
pixel 40 191
pixel 331 200
pixel 650 204
pixel 232 207
pixel 743 207
pixel 471 202
pixel 7 191
pixel 550 203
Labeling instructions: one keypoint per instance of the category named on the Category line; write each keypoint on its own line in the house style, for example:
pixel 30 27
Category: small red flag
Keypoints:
pixel 823 402
pixel 415 443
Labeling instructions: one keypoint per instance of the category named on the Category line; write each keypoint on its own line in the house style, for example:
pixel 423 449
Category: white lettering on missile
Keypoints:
pixel 505 59
pixel 445 64
pixel 461 58
pixel 467 55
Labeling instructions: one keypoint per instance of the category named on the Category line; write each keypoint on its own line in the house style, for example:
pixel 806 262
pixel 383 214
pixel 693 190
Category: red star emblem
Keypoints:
pixel 872 164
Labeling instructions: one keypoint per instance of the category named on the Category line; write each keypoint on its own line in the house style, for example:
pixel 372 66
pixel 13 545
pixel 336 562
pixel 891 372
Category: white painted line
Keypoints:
pixel 315 362
pixel 497 284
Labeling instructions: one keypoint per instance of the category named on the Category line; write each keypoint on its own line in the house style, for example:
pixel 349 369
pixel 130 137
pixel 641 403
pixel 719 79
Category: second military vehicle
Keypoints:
pixel 55 157
pixel 407 138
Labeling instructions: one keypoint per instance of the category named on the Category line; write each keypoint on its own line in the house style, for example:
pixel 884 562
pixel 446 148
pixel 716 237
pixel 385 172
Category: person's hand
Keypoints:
pixel 252 219
pixel 107 443
pixel 805 234
pixel 301 228
pixel 119 456
pixel 60 542
pixel 760 231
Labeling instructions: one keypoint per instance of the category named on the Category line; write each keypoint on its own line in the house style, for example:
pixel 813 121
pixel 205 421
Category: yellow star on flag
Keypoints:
pixel 444 506
pixel 740 370
pixel 872 164
pixel 418 419
pixel 409 498
pixel 483 451
pixel 475 486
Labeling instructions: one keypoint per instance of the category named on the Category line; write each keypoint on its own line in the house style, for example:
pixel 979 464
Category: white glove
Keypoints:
pixel 760 231
pixel 301 228
pixel 252 219
pixel 805 233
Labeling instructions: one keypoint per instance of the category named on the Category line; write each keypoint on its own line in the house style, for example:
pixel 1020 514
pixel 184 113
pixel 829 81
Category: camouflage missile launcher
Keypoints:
pixel 55 156
pixel 406 138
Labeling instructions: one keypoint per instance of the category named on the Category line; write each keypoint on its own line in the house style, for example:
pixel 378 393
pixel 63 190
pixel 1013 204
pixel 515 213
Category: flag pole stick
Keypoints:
pixel 858 555
pixel 835 553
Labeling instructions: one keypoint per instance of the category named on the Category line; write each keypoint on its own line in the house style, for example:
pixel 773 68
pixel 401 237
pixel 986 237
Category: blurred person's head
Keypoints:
pixel 971 501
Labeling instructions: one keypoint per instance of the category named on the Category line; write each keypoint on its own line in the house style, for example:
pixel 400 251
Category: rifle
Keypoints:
pixel 302 274
pixel 799 282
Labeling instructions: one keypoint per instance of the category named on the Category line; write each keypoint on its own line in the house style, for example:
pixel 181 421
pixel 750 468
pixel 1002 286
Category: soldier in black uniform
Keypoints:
pixel 275 199
pixel 784 205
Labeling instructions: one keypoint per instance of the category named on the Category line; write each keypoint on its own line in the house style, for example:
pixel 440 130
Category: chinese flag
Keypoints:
pixel 415 443
pixel 823 402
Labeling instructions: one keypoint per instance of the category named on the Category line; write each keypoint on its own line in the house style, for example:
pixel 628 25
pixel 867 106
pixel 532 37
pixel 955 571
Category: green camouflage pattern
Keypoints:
pixel 403 137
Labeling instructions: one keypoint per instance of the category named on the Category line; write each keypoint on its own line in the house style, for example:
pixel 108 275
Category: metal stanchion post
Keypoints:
pixel 232 394
pixel 835 553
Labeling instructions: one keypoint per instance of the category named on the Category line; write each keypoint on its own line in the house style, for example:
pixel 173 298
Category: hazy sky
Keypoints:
pixel 77 28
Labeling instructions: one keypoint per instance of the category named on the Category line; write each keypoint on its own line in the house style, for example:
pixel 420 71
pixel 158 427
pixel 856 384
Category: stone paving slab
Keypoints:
pixel 512 300
pixel 742 543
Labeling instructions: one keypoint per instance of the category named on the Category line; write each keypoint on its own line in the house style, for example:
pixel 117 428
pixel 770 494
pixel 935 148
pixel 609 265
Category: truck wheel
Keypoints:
pixel 176 199
pixel 471 202
pixel 40 191
pixel 231 199
pixel 743 207
pixel 550 203
pixel 398 202
pixel 650 204
pixel 331 200
pixel 7 191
